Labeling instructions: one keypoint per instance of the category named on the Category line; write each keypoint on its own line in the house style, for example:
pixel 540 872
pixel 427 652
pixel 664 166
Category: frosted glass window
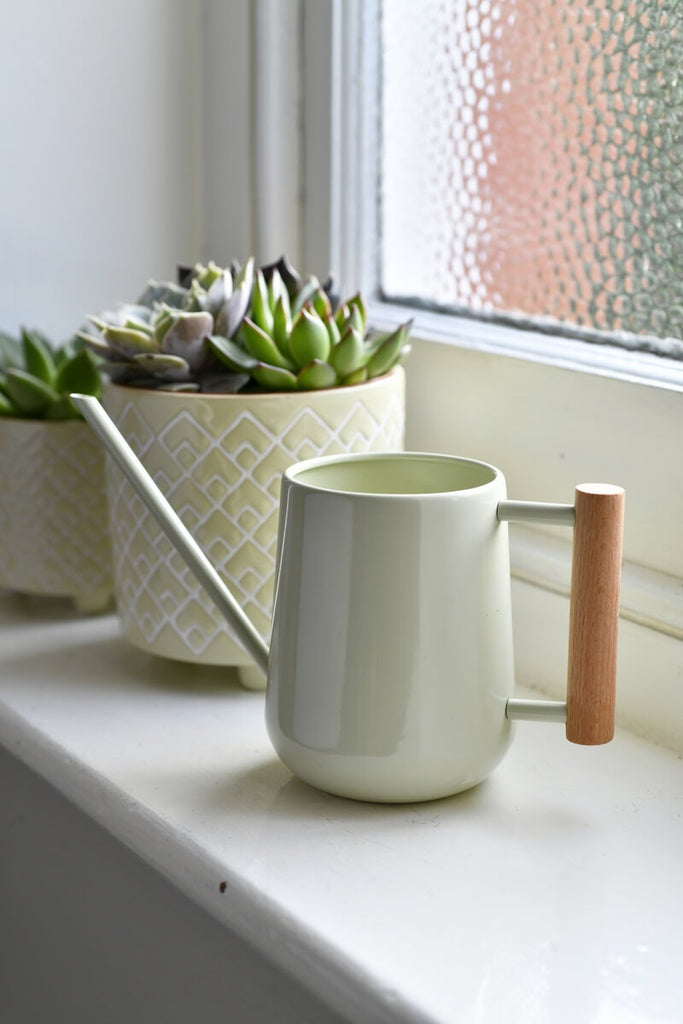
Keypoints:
pixel 532 160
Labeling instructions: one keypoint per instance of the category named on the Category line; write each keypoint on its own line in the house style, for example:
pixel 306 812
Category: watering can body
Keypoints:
pixel 391 651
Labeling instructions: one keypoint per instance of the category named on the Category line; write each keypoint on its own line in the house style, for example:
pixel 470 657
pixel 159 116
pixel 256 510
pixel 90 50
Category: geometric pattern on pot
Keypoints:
pixel 219 460
pixel 54 523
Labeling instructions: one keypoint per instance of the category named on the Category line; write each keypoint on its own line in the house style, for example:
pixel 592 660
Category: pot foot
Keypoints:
pixel 94 602
pixel 251 677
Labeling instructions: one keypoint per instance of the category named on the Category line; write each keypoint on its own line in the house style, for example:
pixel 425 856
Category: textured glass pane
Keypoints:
pixel 532 159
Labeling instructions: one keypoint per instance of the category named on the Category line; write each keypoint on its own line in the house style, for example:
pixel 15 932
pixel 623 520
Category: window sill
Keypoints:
pixel 543 894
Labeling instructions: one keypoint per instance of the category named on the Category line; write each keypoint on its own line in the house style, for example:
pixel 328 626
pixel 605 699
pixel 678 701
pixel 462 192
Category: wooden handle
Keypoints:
pixel 594 613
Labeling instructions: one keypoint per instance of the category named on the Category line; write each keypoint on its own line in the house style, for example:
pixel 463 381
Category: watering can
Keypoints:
pixel 390 668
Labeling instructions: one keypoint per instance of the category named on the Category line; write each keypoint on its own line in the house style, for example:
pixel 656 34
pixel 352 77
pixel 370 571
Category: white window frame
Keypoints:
pixel 550 411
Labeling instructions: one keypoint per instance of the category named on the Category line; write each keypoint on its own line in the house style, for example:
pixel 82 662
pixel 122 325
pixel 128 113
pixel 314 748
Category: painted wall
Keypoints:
pixel 101 175
pixel 227 85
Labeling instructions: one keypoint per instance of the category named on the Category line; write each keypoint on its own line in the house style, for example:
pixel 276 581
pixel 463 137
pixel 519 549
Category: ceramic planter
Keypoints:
pixel 219 460
pixel 54 523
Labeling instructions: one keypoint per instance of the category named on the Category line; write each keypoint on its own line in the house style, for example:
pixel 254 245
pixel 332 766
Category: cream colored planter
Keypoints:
pixel 219 460
pixel 54 523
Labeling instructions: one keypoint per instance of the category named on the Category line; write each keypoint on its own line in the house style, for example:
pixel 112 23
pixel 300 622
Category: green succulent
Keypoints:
pixel 36 377
pixel 243 328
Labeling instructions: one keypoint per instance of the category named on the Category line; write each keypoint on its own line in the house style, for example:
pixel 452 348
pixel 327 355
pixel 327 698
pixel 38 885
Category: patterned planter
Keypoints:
pixel 219 460
pixel 54 522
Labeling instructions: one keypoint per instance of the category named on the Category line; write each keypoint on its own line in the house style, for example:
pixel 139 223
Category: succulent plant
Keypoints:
pixel 36 377
pixel 243 328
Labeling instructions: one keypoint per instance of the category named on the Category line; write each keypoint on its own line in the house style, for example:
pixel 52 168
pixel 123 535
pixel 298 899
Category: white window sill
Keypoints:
pixel 548 894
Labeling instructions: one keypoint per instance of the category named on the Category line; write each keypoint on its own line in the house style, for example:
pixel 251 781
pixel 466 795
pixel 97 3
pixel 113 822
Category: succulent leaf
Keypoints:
pixel 126 341
pixel 276 288
pixel 317 375
pixel 305 294
pixel 38 359
pixel 38 337
pixel 219 293
pixel 282 325
pixel 100 323
pixel 321 304
pixel 356 302
pixel 309 339
pixel 165 292
pixel 10 351
pixel 163 323
pixel 347 356
pixel 78 374
pixel 230 353
pixel 94 342
pixel 67 351
pixel 342 315
pixel 163 366
pixel 261 346
pixel 30 395
pixel 6 407
pixel 186 337
pixel 245 275
pixel 388 352
pixel 332 330
pixel 62 409
pixel 359 376
pixel 355 319
pixel 207 276
pixel 196 300
pixel 136 324
pixel 235 309
pixel 274 378
pixel 261 313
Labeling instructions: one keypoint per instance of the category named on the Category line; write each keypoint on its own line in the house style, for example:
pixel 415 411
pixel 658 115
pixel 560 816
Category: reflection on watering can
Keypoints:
pixel 390 671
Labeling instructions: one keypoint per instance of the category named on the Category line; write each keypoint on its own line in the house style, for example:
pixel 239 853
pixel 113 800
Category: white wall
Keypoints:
pixel 101 167
pixel 227 168
pixel 129 145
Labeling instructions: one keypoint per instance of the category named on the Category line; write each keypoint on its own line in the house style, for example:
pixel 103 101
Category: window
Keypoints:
pixel 529 164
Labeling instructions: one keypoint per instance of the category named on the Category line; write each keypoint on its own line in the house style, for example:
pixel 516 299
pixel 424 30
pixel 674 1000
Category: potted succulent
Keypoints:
pixel 219 382
pixel 54 525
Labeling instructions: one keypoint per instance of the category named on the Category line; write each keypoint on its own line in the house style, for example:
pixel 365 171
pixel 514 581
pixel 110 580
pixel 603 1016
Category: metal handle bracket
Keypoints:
pixel 536 512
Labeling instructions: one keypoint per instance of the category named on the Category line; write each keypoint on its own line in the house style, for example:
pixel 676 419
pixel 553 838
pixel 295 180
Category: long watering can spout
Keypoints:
pixel 181 539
